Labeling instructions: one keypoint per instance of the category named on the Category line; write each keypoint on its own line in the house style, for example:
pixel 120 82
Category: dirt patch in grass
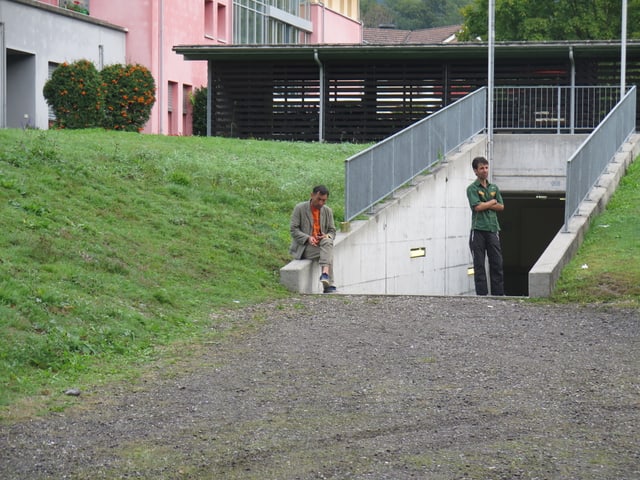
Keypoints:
pixel 368 388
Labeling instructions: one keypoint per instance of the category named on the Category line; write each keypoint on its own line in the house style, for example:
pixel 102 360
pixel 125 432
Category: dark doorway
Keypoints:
pixel 529 222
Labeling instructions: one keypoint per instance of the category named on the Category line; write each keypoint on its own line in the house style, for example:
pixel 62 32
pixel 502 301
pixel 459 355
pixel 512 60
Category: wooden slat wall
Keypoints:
pixel 270 101
pixel 366 102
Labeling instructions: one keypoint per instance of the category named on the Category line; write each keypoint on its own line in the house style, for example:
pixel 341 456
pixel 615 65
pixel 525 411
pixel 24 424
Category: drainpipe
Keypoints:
pixel 573 91
pixel 209 98
pixel 161 85
pixel 321 109
pixel 323 7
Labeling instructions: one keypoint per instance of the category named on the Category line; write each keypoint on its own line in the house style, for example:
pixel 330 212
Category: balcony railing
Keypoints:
pixel 553 109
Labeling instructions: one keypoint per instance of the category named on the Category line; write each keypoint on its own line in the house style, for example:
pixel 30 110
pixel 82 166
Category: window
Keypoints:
pixel 208 19
pixel 222 22
pixel 186 110
pixel 52 114
pixel 170 97
pixel 172 108
pixel 271 21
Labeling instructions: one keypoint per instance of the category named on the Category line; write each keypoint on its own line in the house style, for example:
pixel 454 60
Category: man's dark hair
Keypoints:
pixel 321 189
pixel 479 161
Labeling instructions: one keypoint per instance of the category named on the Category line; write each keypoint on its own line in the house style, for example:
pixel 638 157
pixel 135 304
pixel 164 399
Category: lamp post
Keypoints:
pixel 490 80
pixel 623 49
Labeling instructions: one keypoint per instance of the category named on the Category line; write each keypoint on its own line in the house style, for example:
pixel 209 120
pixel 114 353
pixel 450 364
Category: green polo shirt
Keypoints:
pixel 486 220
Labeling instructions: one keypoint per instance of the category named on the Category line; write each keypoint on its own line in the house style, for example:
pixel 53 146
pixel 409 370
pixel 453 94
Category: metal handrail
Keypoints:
pixel 378 171
pixel 591 159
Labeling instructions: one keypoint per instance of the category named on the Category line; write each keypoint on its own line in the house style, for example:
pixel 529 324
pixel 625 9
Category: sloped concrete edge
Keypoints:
pixel 544 275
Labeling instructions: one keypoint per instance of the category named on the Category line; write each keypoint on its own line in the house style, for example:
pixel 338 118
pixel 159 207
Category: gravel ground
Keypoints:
pixel 355 387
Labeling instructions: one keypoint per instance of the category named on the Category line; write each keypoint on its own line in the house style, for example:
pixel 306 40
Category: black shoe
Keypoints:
pixel 330 289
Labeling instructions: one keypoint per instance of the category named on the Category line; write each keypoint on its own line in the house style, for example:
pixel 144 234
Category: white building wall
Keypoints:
pixel 35 35
pixel 434 214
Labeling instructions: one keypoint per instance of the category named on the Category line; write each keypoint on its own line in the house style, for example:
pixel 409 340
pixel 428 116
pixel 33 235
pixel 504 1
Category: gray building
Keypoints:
pixel 34 39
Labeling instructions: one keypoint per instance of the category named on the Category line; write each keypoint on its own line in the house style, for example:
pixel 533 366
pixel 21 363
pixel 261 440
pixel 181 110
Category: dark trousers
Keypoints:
pixel 481 243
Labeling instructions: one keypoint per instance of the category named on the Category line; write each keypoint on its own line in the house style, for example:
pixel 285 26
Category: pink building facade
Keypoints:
pixel 332 26
pixel 154 27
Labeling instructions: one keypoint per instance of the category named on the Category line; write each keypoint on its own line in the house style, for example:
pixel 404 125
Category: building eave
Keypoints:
pixel 360 52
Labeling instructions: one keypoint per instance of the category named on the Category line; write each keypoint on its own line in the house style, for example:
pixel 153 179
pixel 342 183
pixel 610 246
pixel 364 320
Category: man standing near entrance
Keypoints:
pixel 485 200
pixel 312 234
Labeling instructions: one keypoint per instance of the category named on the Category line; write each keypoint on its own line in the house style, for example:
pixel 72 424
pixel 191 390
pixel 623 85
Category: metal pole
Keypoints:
pixel 3 79
pixel 623 49
pixel 321 96
pixel 573 91
pixel 210 106
pixel 558 109
pixel 490 81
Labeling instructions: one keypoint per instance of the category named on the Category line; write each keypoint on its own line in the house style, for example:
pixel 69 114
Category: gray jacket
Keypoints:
pixel 302 226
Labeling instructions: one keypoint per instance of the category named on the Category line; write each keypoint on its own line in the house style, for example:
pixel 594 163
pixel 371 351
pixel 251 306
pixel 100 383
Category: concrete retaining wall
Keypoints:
pixel 545 273
pixel 417 242
pixel 414 244
pixel 533 162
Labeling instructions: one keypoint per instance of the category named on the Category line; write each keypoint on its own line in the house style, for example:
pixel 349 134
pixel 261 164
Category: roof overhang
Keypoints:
pixel 602 50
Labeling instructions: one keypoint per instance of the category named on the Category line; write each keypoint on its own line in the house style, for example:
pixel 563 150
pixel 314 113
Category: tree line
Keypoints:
pixel 515 20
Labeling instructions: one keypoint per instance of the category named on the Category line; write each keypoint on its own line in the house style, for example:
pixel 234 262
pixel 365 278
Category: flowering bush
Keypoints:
pixel 76 6
pixel 129 95
pixel 74 92
pixel 118 98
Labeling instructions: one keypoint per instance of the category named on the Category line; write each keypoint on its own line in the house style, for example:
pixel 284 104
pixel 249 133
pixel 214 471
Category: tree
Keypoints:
pixel 411 14
pixel 373 14
pixel 542 20
pixel 415 14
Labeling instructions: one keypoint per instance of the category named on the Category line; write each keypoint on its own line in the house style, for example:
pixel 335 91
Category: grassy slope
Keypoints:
pixel 607 266
pixel 115 244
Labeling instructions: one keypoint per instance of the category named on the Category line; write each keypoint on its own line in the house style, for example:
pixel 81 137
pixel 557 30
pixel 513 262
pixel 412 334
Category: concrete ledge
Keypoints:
pixel 301 276
pixel 546 272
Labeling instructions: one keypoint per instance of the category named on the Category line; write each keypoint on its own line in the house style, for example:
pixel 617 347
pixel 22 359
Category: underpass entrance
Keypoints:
pixel 529 223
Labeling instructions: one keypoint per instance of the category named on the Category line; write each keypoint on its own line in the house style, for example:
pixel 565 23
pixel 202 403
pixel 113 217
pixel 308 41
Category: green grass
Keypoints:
pixel 606 268
pixel 116 244
pixel 117 247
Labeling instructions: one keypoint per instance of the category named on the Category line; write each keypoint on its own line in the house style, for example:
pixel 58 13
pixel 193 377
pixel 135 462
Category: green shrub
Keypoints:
pixel 118 98
pixel 199 102
pixel 74 93
pixel 129 95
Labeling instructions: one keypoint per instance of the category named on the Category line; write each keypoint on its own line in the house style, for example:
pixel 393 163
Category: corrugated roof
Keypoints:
pixel 392 36
pixel 384 36
pixel 435 35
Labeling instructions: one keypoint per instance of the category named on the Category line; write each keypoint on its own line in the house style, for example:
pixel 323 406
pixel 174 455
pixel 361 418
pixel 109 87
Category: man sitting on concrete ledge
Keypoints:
pixel 312 234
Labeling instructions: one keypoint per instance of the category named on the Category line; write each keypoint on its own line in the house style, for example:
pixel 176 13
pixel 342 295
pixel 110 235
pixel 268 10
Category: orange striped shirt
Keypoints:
pixel 316 222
